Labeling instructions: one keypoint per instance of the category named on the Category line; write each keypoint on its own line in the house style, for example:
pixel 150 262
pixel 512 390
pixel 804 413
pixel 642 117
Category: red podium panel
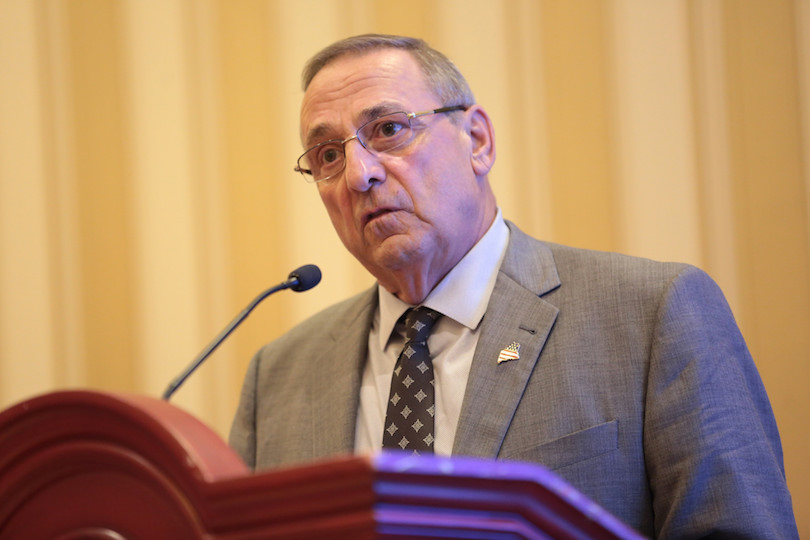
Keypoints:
pixel 91 465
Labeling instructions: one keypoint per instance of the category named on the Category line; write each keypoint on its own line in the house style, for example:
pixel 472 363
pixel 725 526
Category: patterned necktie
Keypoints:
pixel 409 419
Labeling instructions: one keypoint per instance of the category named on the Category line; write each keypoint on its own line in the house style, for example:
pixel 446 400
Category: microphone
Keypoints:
pixel 304 278
pixel 300 279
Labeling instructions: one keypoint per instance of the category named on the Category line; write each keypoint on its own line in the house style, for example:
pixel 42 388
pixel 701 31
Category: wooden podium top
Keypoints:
pixel 93 465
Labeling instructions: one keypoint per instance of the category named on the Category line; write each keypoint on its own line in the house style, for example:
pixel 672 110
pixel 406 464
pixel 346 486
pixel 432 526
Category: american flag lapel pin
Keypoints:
pixel 512 352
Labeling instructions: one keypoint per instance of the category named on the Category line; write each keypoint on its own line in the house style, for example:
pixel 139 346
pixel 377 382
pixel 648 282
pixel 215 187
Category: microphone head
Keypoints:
pixel 306 276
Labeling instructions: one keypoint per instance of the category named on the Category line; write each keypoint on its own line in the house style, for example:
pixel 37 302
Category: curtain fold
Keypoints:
pixel 147 191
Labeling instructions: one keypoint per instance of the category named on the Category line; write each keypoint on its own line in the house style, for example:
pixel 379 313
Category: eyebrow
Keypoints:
pixel 386 107
pixel 323 132
pixel 316 134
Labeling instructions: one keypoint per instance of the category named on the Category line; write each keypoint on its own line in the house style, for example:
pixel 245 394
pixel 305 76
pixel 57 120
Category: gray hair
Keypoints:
pixel 440 73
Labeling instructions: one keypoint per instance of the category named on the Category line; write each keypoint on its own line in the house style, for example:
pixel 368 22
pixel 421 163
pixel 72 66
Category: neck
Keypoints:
pixel 409 287
pixel 414 280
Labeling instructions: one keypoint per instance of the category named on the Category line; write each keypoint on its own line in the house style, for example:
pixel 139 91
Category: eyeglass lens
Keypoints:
pixel 382 134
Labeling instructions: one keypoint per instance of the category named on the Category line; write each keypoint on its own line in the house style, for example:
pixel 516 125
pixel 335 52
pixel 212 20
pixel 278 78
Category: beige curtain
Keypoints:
pixel 147 191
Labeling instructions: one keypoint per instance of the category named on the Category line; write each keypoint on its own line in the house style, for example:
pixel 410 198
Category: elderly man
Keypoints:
pixel 627 377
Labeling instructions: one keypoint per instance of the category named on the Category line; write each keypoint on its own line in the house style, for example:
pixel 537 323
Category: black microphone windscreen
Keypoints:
pixel 308 276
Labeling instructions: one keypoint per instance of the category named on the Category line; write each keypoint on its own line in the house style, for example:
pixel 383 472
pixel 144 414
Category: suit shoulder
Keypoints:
pixel 322 323
pixel 586 264
pixel 590 277
pixel 545 266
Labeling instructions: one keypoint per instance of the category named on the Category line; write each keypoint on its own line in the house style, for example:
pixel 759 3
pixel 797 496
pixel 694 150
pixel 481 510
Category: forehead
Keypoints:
pixel 354 88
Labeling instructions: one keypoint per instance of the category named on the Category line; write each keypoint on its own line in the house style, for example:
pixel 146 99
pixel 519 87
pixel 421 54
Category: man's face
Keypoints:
pixel 414 211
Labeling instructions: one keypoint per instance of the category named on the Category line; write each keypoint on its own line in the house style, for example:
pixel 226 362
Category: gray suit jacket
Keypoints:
pixel 633 383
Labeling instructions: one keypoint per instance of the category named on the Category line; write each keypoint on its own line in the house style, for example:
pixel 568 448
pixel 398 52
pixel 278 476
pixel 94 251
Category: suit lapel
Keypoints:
pixel 335 385
pixel 515 313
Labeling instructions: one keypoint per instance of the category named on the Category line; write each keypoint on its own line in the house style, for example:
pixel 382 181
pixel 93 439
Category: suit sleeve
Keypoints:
pixel 242 436
pixel 711 444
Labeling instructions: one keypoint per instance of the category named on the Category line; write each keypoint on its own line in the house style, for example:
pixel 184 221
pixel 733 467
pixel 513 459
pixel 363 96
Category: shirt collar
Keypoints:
pixel 464 292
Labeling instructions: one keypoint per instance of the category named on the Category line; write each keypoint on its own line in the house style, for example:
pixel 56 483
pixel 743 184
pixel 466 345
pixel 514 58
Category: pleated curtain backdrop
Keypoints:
pixel 147 191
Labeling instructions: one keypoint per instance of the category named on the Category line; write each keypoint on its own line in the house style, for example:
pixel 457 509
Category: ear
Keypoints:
pixel 482 139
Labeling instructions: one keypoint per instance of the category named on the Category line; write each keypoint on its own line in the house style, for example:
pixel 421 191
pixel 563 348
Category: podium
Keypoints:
pixel 85 465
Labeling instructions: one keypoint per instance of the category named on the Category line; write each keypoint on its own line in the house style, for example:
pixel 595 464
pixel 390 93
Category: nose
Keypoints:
pixel 363 167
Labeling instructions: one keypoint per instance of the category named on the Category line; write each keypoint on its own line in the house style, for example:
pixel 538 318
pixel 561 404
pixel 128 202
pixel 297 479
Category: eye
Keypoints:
pixel 392 126
pixel 328 153
pixel 386 133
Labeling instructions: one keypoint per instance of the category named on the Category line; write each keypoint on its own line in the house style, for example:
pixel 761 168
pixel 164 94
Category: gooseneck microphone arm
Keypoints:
pixel 301 279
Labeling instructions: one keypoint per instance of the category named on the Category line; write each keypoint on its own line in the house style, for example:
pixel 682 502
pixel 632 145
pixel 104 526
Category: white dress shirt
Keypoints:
pixel 462 297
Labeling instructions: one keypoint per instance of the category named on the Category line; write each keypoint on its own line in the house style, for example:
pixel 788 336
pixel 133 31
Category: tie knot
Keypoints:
pixel 418 323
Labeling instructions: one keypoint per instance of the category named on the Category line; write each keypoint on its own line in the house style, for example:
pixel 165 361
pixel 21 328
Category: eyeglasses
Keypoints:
pixel 383 134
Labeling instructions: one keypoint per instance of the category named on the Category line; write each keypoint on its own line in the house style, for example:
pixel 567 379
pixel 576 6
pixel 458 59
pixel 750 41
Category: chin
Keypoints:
pixel 398 253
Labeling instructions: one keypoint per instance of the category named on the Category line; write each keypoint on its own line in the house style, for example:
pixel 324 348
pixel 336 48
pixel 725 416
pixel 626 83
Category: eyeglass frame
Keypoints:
pixel 307 173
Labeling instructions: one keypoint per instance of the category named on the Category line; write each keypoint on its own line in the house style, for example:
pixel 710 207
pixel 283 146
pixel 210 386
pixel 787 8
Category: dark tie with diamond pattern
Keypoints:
pixel 411 408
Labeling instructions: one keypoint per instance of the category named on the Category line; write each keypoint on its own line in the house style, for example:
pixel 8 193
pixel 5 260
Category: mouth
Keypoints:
pixel 368 217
